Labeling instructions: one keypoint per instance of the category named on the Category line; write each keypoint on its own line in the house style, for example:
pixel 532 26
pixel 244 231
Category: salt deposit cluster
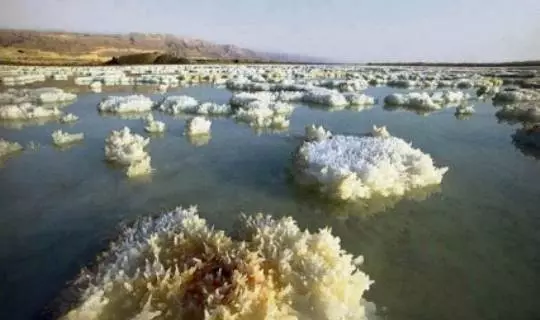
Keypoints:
pixel 7 147
pixel 176 266
pixel 352 168
pixel 61 138
pixel 127 149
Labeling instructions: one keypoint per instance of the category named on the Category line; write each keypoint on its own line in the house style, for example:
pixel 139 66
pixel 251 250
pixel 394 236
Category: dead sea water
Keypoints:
pixel 466 250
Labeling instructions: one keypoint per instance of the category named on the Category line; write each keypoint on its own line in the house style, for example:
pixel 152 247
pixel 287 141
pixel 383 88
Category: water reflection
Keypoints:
pixel 199 140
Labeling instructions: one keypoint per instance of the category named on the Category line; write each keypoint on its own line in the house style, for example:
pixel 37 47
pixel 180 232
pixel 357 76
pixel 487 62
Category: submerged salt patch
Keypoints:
pixel 126 104
pixel 62 138
pixel 178 267
pixel 350 168
pixel 127 149
pixel 516 95
pixel 7 147
pixel 316 133
pixel 519 112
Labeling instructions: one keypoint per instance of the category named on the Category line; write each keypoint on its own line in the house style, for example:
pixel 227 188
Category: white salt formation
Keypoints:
pixel 198 126
pixel 528 136
pixel 153 126
pixel 380 132
pixel 178 267
pixel 351 168
pixel 27 111
pixel 178 104
pixel 264 114
pixel 326 97
pixel 356 99
pixel 51 95
pixel 61 138
pixel 127 104
pixel 7 147
pixel 127 149
pixel 317 133
pixel 70 117
pixel 413 100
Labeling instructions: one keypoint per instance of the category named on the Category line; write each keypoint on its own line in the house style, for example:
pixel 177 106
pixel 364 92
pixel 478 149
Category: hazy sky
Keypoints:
pixel 349 30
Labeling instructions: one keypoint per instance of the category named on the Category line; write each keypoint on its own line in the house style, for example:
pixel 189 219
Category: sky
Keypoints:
pixel 340 30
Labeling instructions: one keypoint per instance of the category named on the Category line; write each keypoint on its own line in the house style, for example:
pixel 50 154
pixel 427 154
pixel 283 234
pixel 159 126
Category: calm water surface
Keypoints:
pixel 469 249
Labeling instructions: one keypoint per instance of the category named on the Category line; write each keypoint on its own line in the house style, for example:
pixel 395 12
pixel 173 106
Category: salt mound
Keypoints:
pixel 27 111
pixel 519 95
pixel 127 104
pixel 529 136
pixel 351 168
pixel 317 133
pixel 178 104
pixel 198 125
pixel 242 99
pixel 264 114
pixel 380 132
pixel 413 100
pixel 70 117
pixel 325 97
pixel 127 149
pixel 51 95
pixel 210 108
pixel 177 267
pixel 7 147
pixel 449 97
pixel 62 138
pixel 152 125
pixel 519 112
pixel 356 99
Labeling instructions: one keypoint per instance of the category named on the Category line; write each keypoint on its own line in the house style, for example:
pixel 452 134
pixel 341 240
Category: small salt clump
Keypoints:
pixel 7 147
pixel 353 168
pixel 153 126
pixel 70 117
pixel 198 126
pixel 464 110
pixel 380 132
pixel 62 138
pixel 317 133
pixel 127 104
pixel 356 99
pixel 176 266
pixel 325 97
pixel 127 149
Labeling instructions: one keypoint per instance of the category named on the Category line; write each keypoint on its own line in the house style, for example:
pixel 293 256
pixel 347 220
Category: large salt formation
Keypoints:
pixel 127 104
pixel 127 149
pixel 177 267
pixel 352 168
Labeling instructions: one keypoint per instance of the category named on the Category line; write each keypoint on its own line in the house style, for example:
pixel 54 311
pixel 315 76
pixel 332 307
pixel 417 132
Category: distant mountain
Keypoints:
pixel 26 46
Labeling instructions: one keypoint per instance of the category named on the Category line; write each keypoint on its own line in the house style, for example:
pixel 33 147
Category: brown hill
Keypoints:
pixel 47 47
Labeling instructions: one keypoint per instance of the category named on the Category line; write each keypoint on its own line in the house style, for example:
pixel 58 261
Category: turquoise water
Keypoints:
pixel 469 249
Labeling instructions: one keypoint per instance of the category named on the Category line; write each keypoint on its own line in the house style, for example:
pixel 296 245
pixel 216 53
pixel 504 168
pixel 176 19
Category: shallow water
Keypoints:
pixel 468 251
